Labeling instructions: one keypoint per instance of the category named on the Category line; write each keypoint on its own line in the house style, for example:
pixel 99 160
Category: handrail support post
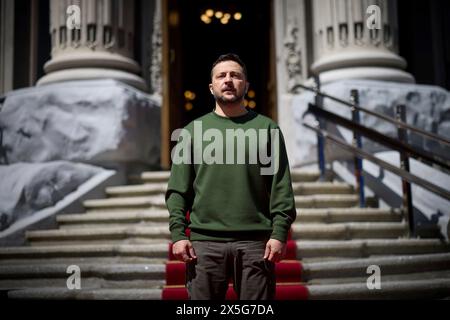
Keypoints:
pixel 357 143
pixel 318 100
pixel 404 164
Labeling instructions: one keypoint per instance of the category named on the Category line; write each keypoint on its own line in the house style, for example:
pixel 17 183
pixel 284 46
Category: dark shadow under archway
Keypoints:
pixel 195 42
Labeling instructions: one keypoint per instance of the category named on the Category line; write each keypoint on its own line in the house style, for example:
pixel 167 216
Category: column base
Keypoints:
pixel 358 57
pixel 82 58
pixel 93 73
pixel 367 73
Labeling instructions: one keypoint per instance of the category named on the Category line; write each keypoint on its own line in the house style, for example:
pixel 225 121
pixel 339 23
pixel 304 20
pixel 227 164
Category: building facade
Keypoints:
pixel 161 48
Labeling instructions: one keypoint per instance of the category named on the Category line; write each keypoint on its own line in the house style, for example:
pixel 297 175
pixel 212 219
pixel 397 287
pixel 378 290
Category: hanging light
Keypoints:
pixel 189 95
pixel 205 18
pixel 223 17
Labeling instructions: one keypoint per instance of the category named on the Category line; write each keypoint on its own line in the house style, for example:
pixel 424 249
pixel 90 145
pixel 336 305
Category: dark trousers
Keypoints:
pixel 253 277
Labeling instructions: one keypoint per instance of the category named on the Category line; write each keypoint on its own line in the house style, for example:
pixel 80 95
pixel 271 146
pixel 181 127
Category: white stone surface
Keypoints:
pixel 92 121
pixel 434 208
pixel 28 187
pixel 427 107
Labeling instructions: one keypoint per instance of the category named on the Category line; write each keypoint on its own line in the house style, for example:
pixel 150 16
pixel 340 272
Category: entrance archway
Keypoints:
pixel 197 33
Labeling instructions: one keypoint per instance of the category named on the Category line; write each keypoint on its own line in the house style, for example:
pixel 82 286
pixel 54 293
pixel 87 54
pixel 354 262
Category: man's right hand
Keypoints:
pixel 184 251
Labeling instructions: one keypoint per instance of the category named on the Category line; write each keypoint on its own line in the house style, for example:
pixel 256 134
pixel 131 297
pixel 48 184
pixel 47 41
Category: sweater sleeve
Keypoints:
pixel 179 197
pixel 282 202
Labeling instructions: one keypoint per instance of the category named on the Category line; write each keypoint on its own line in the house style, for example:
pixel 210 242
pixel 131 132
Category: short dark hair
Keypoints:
pixel 230 57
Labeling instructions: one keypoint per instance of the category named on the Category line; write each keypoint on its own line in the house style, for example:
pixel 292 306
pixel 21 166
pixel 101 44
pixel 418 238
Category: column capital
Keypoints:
pixel 346 46
pixel 102 46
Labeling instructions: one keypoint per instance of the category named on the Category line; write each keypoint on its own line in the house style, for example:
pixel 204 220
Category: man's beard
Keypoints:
pixel 222 100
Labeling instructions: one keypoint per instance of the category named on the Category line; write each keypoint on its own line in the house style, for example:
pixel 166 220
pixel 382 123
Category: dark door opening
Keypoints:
pixel 195 33
pixel 207 29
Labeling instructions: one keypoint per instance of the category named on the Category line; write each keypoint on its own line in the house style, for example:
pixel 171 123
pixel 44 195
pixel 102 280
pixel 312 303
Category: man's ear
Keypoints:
pixel 211 88
pixel 246 87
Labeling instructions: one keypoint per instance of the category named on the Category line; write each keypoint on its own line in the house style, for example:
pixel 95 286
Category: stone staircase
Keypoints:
pixel 121 246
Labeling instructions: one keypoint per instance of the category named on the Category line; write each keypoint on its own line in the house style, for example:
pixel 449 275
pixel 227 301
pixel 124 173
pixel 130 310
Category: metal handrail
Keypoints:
pixel 400 144
pixel 404 174
pixel 377 136
pixel 376 114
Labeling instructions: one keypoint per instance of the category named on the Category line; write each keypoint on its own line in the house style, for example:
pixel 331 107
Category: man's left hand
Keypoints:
pixel 275 250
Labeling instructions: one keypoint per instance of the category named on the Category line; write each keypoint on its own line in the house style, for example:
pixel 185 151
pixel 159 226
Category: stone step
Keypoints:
pixel 109 233
pixel 80 260
pixel 113 225
pixel 151 216
pixel 305 249
pixel 309 201
pixel 150 176
pixel 100 241
pixel 401 267
pixel 326 187
pixel 369 247
pixel 109 271
pixel 87 250
pixel 384 277
pixel 86 282
pixel 349 230
pixel 332 201
pixel 328 215
pixel 406 289
pixel 342 231
pixel 299 188
pixel 86 294
pixel 308 175
pixel 136 190
pixel 86 226
pixel 156 202
pixel 415 289
pixel 92 276
pixel 355 214
pixel 297 175
pixel 403 264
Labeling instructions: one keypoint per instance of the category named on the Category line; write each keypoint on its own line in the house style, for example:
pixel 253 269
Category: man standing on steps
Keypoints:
pixel 241 209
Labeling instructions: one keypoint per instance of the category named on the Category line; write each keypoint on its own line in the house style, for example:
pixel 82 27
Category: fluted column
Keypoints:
pixel 345 48
pixel 156 66
pixel 101 48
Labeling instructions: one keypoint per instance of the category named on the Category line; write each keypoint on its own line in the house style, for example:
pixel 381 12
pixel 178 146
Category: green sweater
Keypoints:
pixel 228 198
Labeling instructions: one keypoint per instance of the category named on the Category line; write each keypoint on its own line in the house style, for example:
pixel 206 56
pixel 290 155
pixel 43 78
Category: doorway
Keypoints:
pixel 197 33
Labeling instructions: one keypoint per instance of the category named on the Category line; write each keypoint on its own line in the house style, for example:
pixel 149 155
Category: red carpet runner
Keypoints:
pixel 288 276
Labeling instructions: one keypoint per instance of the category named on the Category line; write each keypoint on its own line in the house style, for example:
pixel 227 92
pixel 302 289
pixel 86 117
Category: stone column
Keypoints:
pixel 102 46
pixel 6 46
pixel 346 48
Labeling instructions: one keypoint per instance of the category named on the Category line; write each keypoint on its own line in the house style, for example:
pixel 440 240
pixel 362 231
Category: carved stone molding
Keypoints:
pixel 156 65
pixel 101 46
pixel 291 49
pixel 293 56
